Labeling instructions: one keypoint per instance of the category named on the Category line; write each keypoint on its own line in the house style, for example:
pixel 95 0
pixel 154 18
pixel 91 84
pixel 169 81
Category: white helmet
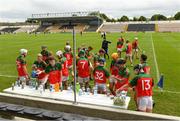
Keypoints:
pixel 68 47
pixel 59 53
pixel 23 51
pixel 136 38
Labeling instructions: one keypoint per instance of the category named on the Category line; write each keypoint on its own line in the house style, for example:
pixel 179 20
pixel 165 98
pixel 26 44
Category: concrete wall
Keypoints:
pixel 82 109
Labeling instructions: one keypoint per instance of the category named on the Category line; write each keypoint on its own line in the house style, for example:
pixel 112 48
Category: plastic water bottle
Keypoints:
pixel 88 91
pixel 51 88
pixel 41 88
pixel 12 86
pixel 95 90
pixel 123 95
pixel 83 89
pixel 80 92
pixel 36 86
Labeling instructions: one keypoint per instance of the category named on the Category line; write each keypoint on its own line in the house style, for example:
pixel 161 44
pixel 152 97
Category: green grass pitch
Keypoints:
pixel 166 45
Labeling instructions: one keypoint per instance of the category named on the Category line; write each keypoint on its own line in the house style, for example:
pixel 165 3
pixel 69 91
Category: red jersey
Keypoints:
pixel 129 48
pixel 20 62
pixel 69 57
pixel 120 43
pixel 120 84
pixel 114 69
pixel 143 84
pixel 83 67
pixel 40 68
pixel 144 87
pixel 100 75
pixel 124 76
pixel 54 73
pixel 65 71
pixel 135 44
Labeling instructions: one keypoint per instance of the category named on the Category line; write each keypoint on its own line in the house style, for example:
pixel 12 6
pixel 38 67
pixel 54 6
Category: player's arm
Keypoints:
pixel 115 77
pixel 124 49
pixel 109 42
pixel 90 65
pixel 131 84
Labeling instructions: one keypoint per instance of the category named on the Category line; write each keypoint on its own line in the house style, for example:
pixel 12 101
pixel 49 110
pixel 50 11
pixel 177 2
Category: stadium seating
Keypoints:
pixel 141 27
pixel 9 29
pixel 41 28
pixel 91 28
pixel 53 29
pixel 113 27
pixel 26 29
pixel 169 27
pixel 67 28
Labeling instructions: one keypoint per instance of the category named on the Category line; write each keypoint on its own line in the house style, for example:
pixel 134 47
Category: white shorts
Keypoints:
pixel 145 103
pixel 135 50
pixel 128 55
pixel 101 87
pixel 65 78
pixel 119 49
pixel 81 80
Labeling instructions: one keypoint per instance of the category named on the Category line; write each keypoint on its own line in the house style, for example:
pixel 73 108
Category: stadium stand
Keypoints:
pixel 141 27
pixel 42 28
pixel 168 27
pixel 53 29
pixel 91 28
pixel 113 27
pixel 26 29
pixel 62 22
pixel 9 29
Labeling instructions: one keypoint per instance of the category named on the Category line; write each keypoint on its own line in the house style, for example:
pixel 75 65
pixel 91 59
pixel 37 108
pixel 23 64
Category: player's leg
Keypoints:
pixel 107 52
pixel 133 54
pixel 149 104
pixel 86 80
pixel 111 85
pixel 136 51
pixel 64 82
pixel 142 102
pixel 130 59
pixel 80 80
pixel 104 88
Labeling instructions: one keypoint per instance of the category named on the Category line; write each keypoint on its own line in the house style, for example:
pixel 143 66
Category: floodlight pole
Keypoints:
pixel 74 63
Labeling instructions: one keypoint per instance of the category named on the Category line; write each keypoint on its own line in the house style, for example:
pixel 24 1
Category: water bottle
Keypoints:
pixel 88 91
pixel 123 95
pixel 83 90
pixel 80 92
pixel 12 86
pixel 95 90
pixel 77 87
pixel 41 88
pixel 36 86
pixel 51 88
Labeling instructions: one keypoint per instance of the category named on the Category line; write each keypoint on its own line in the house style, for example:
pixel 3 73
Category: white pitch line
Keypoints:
pixel 173 92
pixel 155 60
pixel 9 76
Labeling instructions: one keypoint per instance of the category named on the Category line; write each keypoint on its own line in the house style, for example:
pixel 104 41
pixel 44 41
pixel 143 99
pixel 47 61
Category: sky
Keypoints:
pixel 20 10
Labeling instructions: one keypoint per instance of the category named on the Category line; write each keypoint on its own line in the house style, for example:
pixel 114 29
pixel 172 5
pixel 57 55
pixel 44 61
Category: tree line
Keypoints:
pixel 124 18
